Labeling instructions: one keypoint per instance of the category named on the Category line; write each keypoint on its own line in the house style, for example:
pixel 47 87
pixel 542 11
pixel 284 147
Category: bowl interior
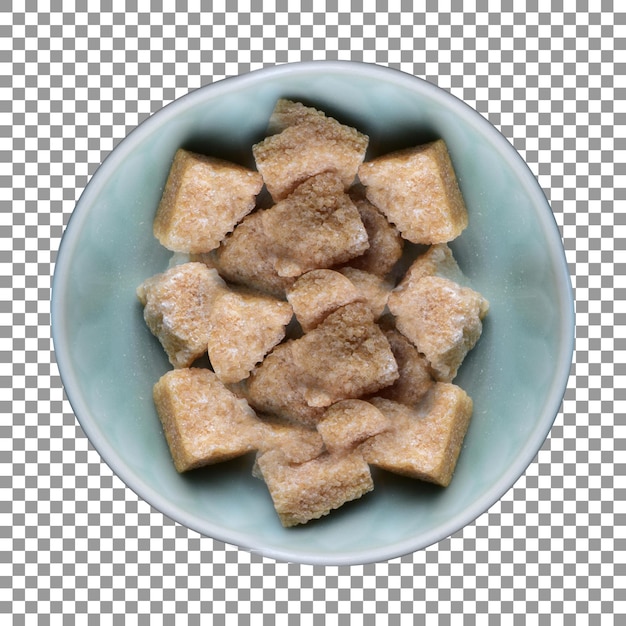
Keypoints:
pixel 511 252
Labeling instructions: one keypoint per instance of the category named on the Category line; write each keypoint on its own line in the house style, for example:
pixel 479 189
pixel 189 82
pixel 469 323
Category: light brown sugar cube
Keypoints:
pixel 310 490
pixel 442 319
pixel 297 443
pixel 306 143
pixel 424 441
pixel 438 260
pixel 177 305
pixel 245 258
pixel 414 379
pixel 346 356
pixel 386 243
pixel 348 423
pixel 317 226
pixel 242 328
pixel 288 113
pixel 318 293
pixel 418 191
pixel 202 201
pixel 275 387
pixel 374 290
pixel 203 422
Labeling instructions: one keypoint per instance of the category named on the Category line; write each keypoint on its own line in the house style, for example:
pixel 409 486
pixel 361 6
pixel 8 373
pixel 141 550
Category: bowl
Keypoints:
pixel 511 252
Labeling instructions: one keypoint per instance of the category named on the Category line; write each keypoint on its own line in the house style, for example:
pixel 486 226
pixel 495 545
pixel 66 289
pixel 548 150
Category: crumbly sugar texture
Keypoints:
pixel 373 289
pixel 317 293
pixel 423 441
pixel 346 356
pixel 385 242
pixel 438 260
pixel 203 199
pixel 305 143
pixel 417 190
pixel 315 227
pixel 288 113
pixel 414 378
pixel 296 442
pixel 348 423
pixel 203 422
pixel 442 319
pixel 275 387
pixel 242 328
pixel 306 491
pixel 245 258
pixel 177 305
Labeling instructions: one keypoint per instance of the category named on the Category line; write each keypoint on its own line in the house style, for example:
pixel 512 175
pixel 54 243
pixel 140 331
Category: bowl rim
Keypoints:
pixel 59 330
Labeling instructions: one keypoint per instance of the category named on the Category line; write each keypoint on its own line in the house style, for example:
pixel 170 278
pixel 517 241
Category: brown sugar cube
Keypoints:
pixel 177 305
pixel 298 443
pixel 424 441
pixel 374 290
pixel 202 201
pixel 274 387
pixel 318 293
pixel 418 191
pixel 243 327
pixel 245 258
pixel 203 422
pixel 310 490
pixel 386 243
pixel 289 113
pixel 346 356
pixel 442 319
pixel 348 423
pixel 315 227
pixel 438 260
pixel 414 372
pixel 307 143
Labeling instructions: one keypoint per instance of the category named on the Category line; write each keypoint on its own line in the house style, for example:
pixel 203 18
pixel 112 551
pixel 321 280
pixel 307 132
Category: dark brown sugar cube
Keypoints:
pixel 306 142
pixel 317 226
pixel 346 356
pixel 203 422
pixel 386 243
pixel 417 190
pixel 414 378
pixel 204 198
pixel 423 441
pixel 245 258
pixel 275 387
pixel 177 306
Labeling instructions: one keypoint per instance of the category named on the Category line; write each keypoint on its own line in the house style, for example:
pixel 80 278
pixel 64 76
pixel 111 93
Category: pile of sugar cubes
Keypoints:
pixel 291 331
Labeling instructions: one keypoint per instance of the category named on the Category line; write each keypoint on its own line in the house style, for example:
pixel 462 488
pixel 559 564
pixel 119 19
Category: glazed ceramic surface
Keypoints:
pixel 511 252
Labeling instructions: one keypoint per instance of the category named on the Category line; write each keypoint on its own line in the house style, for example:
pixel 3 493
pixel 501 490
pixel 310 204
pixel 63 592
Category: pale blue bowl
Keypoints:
pixel 511 252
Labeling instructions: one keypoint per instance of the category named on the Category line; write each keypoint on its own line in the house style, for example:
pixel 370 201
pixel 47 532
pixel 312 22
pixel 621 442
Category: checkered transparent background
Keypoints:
pixel 76 77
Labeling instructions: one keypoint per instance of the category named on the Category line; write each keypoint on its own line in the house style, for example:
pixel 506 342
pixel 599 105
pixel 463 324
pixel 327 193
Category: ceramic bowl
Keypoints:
pixel 511 252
